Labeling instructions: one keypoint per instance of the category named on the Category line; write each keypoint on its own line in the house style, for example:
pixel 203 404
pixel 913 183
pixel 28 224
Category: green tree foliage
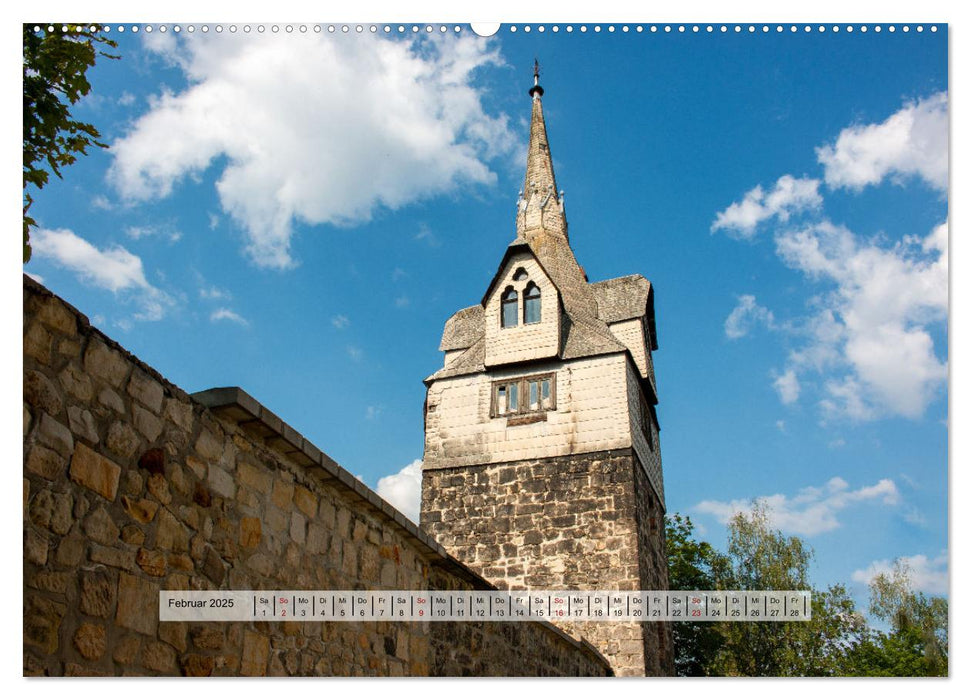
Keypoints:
pixel 693 566
pixel 55 67
pixel 761 558
pixel 837 640
pixel 917 644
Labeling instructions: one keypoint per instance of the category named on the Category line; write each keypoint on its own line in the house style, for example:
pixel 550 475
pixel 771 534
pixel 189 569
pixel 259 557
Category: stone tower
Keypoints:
pixel 542 464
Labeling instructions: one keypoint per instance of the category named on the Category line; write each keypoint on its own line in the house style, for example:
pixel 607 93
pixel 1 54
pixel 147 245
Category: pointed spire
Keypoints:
pixel 540 204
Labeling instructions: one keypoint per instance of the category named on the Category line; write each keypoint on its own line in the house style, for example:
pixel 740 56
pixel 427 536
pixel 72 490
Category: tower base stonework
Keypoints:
pixel 578 522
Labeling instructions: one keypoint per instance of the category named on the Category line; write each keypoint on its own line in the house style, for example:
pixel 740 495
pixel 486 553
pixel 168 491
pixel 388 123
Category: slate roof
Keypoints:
pixel 462 329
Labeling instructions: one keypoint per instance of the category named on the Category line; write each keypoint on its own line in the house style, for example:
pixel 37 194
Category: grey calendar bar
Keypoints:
pixel 495 606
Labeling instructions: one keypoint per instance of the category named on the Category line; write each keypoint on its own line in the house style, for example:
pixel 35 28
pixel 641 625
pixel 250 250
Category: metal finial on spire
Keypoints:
pixel 536 90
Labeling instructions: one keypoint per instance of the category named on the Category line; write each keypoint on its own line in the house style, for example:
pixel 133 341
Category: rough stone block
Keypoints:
pixel 99 527
pixel 159 487
pixel 196 665
pixel 221 482
pixel 137 604
pixel 42 622
pixel 45 463
pixel 250 532
pixel 76 383
pixel 151 562
pixel 298 528
pixel 142 510
pixel 55 435
pixel 255 477
pixel 180 413
pixel 40 393
pixel 82 424
pixel 105 363
pixel 61 518
pixel 209 446
pixel 171 535
pixel 91 641
pixel 174 633
pixel 256 652
pixel 305 500
pixel 113 557
pixel 95 472
pixel 146 423
pixel 37 343
pixel 109 399
pixel 54 314
pixel 282 493
pixel 41 509
pixel 157 656
pixel 146 390
pixel 126 650
pixel 35 547
pixel 96 593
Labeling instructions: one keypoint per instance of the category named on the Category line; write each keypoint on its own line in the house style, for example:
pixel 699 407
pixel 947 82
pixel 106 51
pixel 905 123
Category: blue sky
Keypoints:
pixel 299 214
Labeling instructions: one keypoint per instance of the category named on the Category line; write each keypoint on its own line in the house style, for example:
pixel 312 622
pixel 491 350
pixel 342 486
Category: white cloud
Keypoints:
pixel 781 425
pixel 926 574
pixel 355 353
pixel 113 268
pixel 101 202
pixel 912 142
pixel 164 231
pixel 402 302
pixel 224 314
pixel 787 384
pixel 213 221
pixel 427 235
pixel 745 315
pixel 36 278
pixel 372 412
pixel 360 124
pixel 403 490
pixel 213 292
pixel 810 512
pixel 789 195
pixel 914 516
pixel 340 321
pixel 874 327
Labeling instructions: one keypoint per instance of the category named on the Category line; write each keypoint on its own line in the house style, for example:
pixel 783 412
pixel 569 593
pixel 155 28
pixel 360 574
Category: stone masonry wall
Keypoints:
pixel 575 522
pixel 130 486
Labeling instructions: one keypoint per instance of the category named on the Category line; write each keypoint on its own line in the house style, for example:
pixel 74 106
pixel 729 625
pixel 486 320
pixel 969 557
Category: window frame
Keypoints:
pixel 522 391
pixel 513 300
pixel 538 298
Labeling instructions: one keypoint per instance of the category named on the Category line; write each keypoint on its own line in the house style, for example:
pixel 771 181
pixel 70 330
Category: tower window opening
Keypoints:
pixel 510 308
pixel 532 312
pixel 521 395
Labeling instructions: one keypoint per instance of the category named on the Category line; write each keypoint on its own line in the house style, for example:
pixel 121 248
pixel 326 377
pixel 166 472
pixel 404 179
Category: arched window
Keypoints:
pixel 510 308
pixel 531 301
pixel 520 275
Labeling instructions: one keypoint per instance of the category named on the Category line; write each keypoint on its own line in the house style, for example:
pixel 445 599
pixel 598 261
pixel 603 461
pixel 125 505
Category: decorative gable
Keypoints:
pixel 521 316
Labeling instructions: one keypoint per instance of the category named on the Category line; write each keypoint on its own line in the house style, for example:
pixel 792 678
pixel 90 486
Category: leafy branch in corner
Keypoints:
pixel 55 78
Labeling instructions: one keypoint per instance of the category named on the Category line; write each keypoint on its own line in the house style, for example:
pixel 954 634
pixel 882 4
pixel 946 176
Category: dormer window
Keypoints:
pixel 531 302
pixel 510 308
